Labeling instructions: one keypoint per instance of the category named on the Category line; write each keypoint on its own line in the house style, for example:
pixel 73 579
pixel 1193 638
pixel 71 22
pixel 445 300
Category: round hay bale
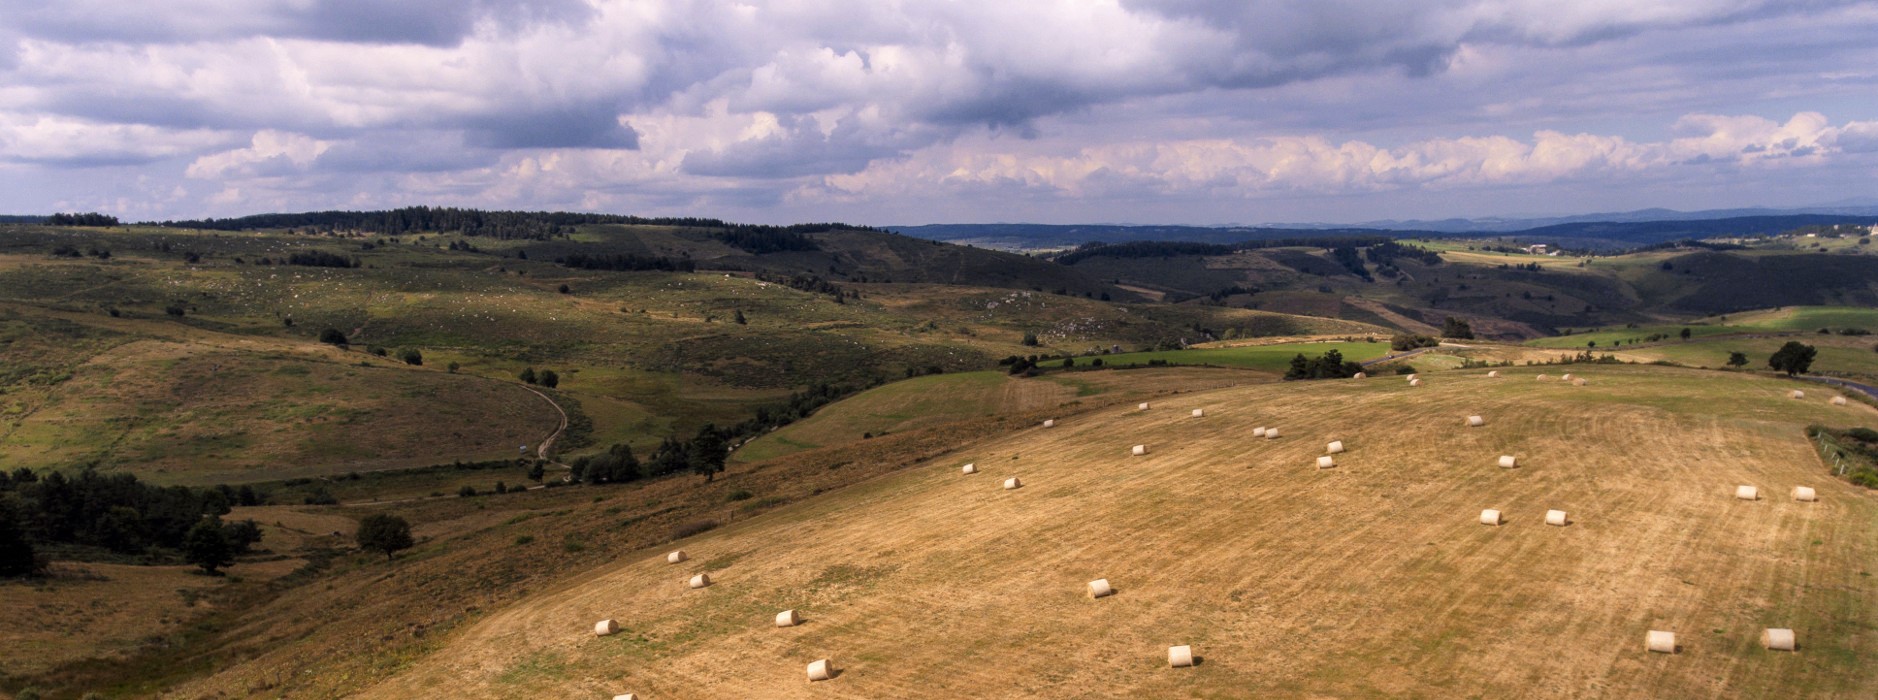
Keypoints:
pixel 1415 382
pixel 1142 407
pixel 1805 493
pixel 1661 642
pixel 1180 656
pixel 1579 382
pixel 676 556
pixel 1565 377
pixel 1508 462
pixel 1198 412
pixel 1490 517
pixel 700 581
pixel 1100 588
pixel 1475 421
pixel 1013 483
pixel 628 696
pixel 1360 375
pixel 969 469
pixel 1748 493
pixel 1326 462
pixel 1139 450
pixel 1051 423
pixel 1493 373
pixel 1838 401
pixel 821 670
pixel 1777 639
pixel 1335 446
pixel 605 628
pixel 1258 432
pixel 1556 518
pixel 1542 377
pixel 1412 376
pixel 788 618
pixel 1271 433
pixel 1796 393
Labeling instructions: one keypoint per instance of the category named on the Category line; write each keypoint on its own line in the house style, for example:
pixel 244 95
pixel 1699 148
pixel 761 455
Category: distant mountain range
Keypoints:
pixel 1592 231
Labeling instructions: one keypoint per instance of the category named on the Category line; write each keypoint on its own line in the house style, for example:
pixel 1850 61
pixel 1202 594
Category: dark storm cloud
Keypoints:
pixel 574 126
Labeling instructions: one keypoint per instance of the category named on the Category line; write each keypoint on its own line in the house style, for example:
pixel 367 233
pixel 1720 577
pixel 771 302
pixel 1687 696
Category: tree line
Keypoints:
pixel 1168 249
pixel 536 225
pixel 85 219
pixel 625 262
pixel 116 512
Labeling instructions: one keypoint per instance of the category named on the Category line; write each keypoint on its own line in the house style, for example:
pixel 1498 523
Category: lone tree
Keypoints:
pixel 548 378
pixel 1737 358
pixel 1685 334
pixel 1030 339
pixel 527 376
pixel 411 356
pixel 206 545
pixel 1793 358
pixel 1456 328
pixel 384 533
pixel 741 321
pixel 332 336
pixel 707 453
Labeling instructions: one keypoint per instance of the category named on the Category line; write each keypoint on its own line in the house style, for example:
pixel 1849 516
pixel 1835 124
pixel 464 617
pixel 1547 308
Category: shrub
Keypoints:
pixel 1410 341
pixel 412 357
pixel 466 491
pixel 739 495
pixel 332 336
pixel 693 528
pixel 1405 369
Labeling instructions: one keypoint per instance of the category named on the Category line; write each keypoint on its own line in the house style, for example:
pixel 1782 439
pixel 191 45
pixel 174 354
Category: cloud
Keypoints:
pixel 63 142
pixel 270 153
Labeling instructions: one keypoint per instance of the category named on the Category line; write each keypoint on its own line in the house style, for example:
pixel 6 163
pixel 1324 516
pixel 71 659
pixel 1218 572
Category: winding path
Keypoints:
pixel 1867 389
pixel 547 443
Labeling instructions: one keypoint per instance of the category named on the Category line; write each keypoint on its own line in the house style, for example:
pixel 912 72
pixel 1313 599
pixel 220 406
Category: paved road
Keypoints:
pixel 1867 389
pixel 1391 358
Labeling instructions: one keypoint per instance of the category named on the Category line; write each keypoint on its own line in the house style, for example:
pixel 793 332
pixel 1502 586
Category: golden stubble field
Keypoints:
pixel 1374 578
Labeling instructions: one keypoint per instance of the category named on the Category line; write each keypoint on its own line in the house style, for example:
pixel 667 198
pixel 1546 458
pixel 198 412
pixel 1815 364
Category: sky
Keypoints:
pixel 938 111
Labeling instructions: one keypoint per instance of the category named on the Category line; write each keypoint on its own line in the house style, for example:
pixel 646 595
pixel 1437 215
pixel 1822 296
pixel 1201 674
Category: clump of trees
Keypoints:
pixel 320 258
pixel 626 262
pixel 115 512
pixel 333 336
pixel 545 378
pixel 1329 365
pixel 1793 358
pixel 1411 341
pixel 85 219
pixel 1452 327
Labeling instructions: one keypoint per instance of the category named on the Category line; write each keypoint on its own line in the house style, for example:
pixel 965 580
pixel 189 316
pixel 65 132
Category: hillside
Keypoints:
pixel 1288 580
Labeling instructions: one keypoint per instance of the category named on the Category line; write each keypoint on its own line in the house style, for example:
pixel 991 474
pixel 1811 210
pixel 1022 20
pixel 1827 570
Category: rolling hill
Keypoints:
pixel 1371 578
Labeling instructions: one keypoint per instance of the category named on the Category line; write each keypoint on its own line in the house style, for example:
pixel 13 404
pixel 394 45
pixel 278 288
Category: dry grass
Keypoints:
pixel 1369 579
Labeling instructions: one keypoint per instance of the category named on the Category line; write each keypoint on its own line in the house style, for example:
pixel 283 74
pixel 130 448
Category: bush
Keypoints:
pixel 1411 341
pixel 739 495
pixel 412 357
pixel 693 528
pixel 1405 369
pixel 466 491
pixel 332 336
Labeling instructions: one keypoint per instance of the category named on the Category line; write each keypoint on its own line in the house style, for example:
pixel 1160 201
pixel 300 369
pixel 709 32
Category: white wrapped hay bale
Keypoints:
pixel 1490 517
pixel 821 670
pixel 788 618
pixel 1100 588
pixel 1198 412
pixel 1050 423
pixel 1258 432
pixel 700 581
pixel 1805 494
pixel 1142 407
pixel 1013 483
pixel 1335 447
pixel 1777 639
pixel 676 557
pixel 1566 377
pixel 1475 421
pixel 1542 377
pixel 1493 373
pixel 605 627
pixel 1796 393
pixel 627 696
pixel 1271 433
pixel 1138 450
pixel 1415 382
pixel 1412 376
pixel 1556 518
pixel 1508 462
pixel 1326 462
pixel 1661 642
pixel 1838 401
pixel 1180 656
pixel 1748 493
pixel 1360 375
pixel 969 469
